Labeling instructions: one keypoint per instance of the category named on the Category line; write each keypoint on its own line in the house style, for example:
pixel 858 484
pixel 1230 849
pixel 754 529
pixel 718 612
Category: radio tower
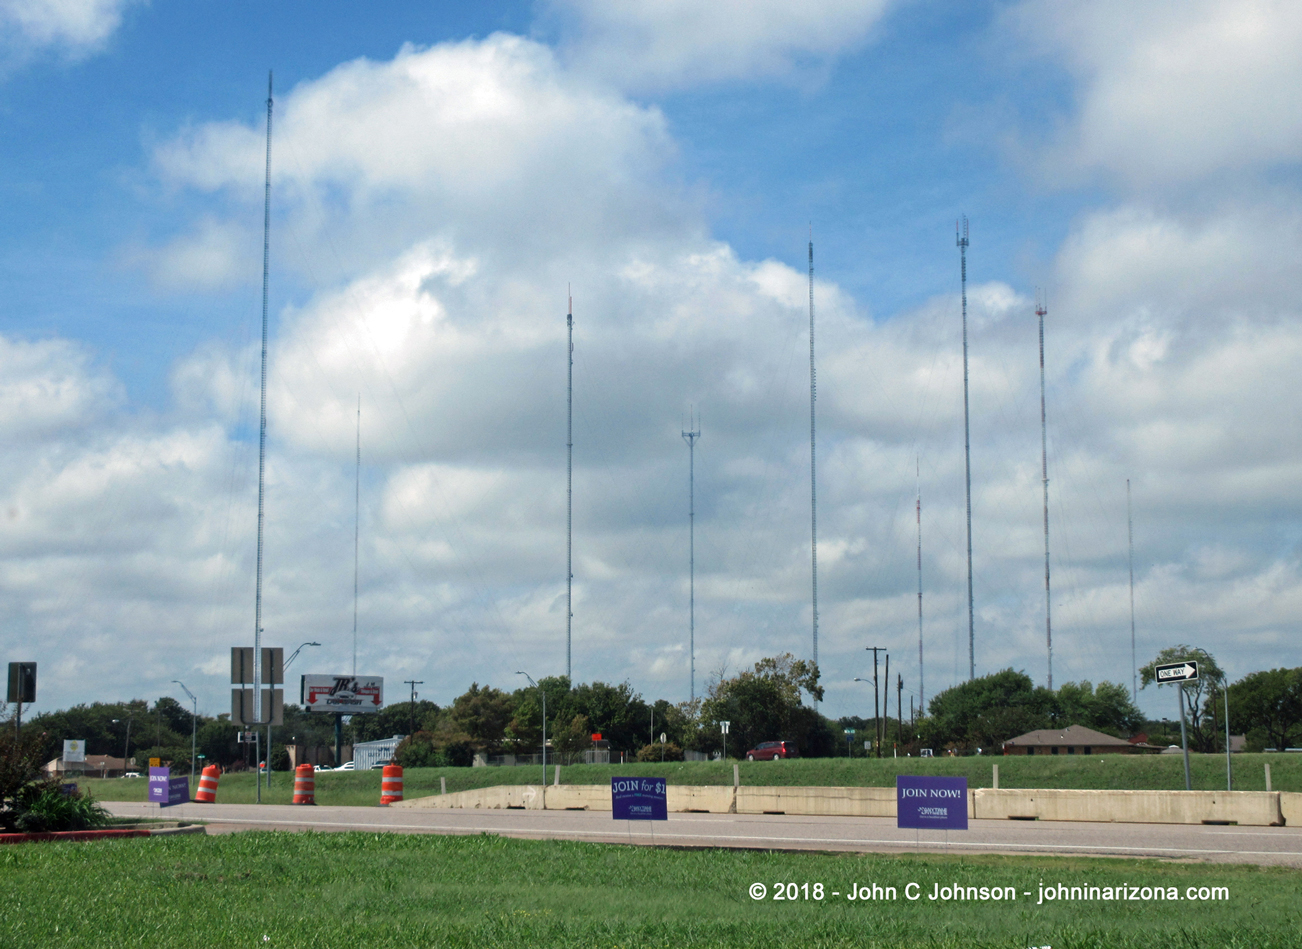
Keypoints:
pixel 357 524
pixel 922 691
pixel 1130 540
pixel 569 492
pixel 960 237
pixel 262 442
pixel 1040 311
pixel 813 452
pixel 690 437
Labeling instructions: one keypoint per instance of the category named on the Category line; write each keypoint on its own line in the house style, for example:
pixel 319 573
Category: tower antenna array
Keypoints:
pixel 1040 311
pixel 922 691
pixel 813 451
pixel 1130 543
pixel 960 237
pixel 262 429
pixel 357 523
pixel 690 437
pixel 569 492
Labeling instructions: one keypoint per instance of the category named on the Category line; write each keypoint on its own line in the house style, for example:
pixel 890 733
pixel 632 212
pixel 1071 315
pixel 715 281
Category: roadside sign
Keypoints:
pixel 724 726
pixel 166 790
pixel 74 750
pixel 662 738
pixel 849 731
pixel 343 694
pixel 638 799
pixel 1177 672
pixel 924 801
pixel 22 682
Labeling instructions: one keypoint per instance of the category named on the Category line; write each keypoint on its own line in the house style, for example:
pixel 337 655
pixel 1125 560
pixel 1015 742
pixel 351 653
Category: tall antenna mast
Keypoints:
pixel 922 691
pixel 262 432
pixel 569 492
pixel 357 524
pixel 813 450
pixel 690 437
pixel 960 237
pixel 1040 311
pixel 1130 542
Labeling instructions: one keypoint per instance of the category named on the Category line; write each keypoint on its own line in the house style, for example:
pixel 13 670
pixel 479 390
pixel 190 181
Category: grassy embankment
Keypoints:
pixel 327 890
pixel 1126 772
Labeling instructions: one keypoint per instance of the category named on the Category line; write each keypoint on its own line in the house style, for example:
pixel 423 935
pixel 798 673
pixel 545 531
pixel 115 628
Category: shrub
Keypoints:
pixel 658 752
pixel 44 808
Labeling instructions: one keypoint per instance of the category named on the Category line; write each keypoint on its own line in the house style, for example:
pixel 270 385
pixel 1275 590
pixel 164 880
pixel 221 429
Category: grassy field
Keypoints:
pixel 329 890
pixel 1093 771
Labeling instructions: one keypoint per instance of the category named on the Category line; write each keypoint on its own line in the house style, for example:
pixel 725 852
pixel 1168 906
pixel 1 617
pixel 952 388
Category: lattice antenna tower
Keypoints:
pixel 262 428
pixel 1130 543
pixel 690 436
pixel 960 237
pixel 569 491
pixel 357 524
pixel 1041 309
pixel 922 689
pixel 813 453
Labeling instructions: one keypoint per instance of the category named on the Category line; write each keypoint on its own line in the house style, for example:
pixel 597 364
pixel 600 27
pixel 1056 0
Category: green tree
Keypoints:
pixel 616 711
pixel 1270 700
pixel 1195 696
pixel 573 736
pixel 765 705
pixel 481 714
pixel 1107 708
pixel 986 712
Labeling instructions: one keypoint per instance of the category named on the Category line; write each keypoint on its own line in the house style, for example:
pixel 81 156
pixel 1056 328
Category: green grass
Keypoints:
pixel 1126 772
pixel 389 890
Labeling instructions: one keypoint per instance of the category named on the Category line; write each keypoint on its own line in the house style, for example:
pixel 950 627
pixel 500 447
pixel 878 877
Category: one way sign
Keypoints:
pixel 1177 672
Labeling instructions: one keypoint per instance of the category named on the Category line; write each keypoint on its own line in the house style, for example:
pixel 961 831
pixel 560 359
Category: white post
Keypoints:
pixel 443 785
pixel 1268 777
pixel 995 783
pixel 736 775
pixel 557 780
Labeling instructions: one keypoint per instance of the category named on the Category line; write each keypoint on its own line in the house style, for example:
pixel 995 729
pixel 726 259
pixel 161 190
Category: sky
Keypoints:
pixel 444 176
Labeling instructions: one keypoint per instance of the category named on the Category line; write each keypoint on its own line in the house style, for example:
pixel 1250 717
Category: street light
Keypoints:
pixel 544 713
pixel 194 725
pixel 127 742
pixel 284 668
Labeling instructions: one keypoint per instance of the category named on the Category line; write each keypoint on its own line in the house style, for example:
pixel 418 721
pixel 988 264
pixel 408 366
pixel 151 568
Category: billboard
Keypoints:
pixel 342 694
pixel 74 750
pixel 924 802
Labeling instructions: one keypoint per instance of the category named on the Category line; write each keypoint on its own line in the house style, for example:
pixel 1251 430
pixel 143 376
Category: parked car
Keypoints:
pixel 319 767
pixel 346 766
pixel 772 751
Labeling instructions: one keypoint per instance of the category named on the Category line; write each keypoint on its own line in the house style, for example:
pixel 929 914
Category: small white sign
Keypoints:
pixel 74 750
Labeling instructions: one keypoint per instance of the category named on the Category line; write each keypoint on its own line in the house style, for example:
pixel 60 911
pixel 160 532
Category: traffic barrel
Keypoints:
pixel 304 785
pixel 207 793
pixel 391 784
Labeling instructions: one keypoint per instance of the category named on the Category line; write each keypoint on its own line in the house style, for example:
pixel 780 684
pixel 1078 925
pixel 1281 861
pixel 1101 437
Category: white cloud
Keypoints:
pixel 73 27
pixel 1173 93
pixel 680 43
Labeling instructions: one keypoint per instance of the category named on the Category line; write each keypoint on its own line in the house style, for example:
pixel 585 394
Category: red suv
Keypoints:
pixel 772 751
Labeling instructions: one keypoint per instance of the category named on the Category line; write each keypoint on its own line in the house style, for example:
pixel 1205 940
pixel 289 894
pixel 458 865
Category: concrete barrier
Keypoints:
pixel 575 797
pixel 1290 807
pixel 526 796
pixel 827 802
pixel 681 798
pixel 1254 808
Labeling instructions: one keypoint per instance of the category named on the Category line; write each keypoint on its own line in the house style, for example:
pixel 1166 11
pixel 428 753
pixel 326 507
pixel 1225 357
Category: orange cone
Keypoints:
pixel 304 785
pixel 207 793
pixel 391 784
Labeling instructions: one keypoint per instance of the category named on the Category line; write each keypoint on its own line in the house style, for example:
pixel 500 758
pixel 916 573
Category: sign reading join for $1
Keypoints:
pixel 638 799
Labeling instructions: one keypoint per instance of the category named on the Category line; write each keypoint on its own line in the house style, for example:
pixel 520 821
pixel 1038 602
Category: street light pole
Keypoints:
pixel 544 714
pixel 127 742
pixel 411 718
pixel 194 725
pixel 877 721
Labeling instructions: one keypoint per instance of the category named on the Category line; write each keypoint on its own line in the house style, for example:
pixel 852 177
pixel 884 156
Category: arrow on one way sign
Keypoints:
pixel 1177 672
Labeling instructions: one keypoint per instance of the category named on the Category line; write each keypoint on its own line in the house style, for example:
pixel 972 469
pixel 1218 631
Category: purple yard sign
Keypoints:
pixel 931 802
pixel 166 790
pixel 638 799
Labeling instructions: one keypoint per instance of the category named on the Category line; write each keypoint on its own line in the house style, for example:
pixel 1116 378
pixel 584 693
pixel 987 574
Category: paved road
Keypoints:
pixel 1223 844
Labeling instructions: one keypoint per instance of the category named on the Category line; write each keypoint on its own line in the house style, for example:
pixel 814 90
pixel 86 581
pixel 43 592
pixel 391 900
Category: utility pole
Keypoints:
pixel 412 717
pixel 690 437
pixel 899 705
pixel 961 239
pixel 877 721
pixel 1040 311
pixel 886 699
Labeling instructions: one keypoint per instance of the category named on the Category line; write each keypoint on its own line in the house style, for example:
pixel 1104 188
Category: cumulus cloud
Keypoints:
pixel 671 45
pixel 1181 92
pixel 74 28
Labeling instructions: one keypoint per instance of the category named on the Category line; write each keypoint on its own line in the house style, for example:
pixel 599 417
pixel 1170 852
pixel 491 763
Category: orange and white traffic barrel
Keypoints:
pixel 207 793
pixel 391 784
pixel 304 785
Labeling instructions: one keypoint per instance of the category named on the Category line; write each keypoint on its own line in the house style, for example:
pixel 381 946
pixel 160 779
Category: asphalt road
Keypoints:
pixel 1280 846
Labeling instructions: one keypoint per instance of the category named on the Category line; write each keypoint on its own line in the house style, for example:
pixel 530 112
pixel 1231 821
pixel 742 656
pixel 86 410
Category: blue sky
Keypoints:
pixel 442 171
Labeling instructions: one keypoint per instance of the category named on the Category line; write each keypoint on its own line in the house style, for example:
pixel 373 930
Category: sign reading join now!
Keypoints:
pixel 922 802
pixel 638 799
pixel 167 790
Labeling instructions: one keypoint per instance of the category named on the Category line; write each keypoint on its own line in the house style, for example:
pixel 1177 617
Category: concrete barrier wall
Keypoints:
pixel 1290 806
pixel 1256 808
pixel 1249 808
pixel 680 798
pixel 831 802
